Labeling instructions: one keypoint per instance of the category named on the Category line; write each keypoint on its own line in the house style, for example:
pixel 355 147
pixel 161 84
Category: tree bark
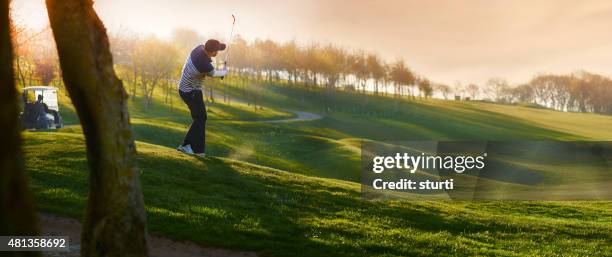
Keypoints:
pixel 17 214
pixel 115 220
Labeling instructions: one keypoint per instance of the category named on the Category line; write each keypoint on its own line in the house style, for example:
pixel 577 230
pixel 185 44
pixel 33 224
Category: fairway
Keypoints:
pixel 289 188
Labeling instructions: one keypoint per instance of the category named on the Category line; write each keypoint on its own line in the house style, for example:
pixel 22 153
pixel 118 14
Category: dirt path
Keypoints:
pixel 301 116
pixel 158 246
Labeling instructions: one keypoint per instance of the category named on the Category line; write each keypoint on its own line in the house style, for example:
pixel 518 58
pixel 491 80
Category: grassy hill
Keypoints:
pixel 232 204
pixel 288 189
pixel 329 147
pixel 384 117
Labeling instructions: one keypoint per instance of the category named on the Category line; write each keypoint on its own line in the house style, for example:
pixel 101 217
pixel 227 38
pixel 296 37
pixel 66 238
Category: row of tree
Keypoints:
pixel 577 92
pixel 325 66
pixel 35 56
pixel 332 67
pixel 148 63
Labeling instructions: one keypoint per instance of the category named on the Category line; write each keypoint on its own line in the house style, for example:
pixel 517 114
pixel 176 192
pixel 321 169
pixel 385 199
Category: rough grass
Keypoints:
pixel 231 204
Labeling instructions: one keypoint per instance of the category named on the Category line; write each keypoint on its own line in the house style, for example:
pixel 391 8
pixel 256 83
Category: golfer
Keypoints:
pixel 197 66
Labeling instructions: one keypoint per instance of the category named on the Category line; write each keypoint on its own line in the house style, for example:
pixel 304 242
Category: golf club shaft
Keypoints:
pixel 229 41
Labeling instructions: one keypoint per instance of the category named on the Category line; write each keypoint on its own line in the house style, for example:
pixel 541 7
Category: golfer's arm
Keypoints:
pixel 217 73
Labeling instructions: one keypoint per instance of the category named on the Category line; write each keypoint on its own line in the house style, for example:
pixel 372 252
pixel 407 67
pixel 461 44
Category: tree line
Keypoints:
pixel 580 91
pixel 148 63
pixel 325 66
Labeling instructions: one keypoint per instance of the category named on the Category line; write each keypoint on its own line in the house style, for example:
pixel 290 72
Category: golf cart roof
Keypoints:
pixel 40 88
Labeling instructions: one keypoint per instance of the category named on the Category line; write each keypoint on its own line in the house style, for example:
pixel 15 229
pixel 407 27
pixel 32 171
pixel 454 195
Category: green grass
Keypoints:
pixel 380 117
pixel 226 203
pixel 319 148
pixel 241 199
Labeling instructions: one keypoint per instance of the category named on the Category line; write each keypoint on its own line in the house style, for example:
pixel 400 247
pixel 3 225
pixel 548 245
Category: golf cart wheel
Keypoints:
pixel 59 123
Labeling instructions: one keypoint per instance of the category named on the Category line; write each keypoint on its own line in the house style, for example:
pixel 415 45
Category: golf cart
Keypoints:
pixel 40 108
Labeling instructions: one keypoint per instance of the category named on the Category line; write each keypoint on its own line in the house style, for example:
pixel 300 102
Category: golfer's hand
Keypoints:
pixel 218 73
pixel 223 72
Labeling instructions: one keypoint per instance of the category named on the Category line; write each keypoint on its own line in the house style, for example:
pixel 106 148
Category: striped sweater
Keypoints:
pixel 197 66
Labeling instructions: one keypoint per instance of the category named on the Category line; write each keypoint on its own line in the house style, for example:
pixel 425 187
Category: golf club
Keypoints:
pixel 229 41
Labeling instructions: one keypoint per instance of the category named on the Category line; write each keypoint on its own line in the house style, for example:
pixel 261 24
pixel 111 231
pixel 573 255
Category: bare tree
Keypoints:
pixel 45 71
pixel 123 46
pixel 17 215
pixel 115 222
pixel 289 59
pixel 155 61
pixel 402 77
pixel 425 88
pixel 472 90
pixel 497 89
pixel 376 70
pixel 359 69
pixel 24 40
pixel 458 90
pixel 523 93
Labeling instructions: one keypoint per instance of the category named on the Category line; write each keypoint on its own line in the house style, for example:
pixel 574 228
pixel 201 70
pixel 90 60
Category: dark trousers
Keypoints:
pixel 196 134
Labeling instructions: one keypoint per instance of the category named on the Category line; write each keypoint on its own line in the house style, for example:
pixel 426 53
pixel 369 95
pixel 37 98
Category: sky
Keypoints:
pixel 465 41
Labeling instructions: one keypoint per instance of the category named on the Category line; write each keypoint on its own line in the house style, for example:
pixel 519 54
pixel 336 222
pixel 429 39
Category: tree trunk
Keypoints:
pixel 17 214
pixel 115 220
pixel 166 88
pixel 20 72
pixel 134 82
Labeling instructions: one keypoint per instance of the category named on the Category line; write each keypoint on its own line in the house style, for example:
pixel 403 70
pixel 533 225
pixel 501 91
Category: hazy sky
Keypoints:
pixel 447 41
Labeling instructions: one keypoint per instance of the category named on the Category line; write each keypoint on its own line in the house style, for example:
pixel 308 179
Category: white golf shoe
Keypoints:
pixel 185 149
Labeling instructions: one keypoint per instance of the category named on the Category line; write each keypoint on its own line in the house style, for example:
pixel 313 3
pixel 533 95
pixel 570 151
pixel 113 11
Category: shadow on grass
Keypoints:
pixel 223 203
pixel 292 216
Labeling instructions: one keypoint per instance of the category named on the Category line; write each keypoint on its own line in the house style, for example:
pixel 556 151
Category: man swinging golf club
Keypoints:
pixel 197 66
